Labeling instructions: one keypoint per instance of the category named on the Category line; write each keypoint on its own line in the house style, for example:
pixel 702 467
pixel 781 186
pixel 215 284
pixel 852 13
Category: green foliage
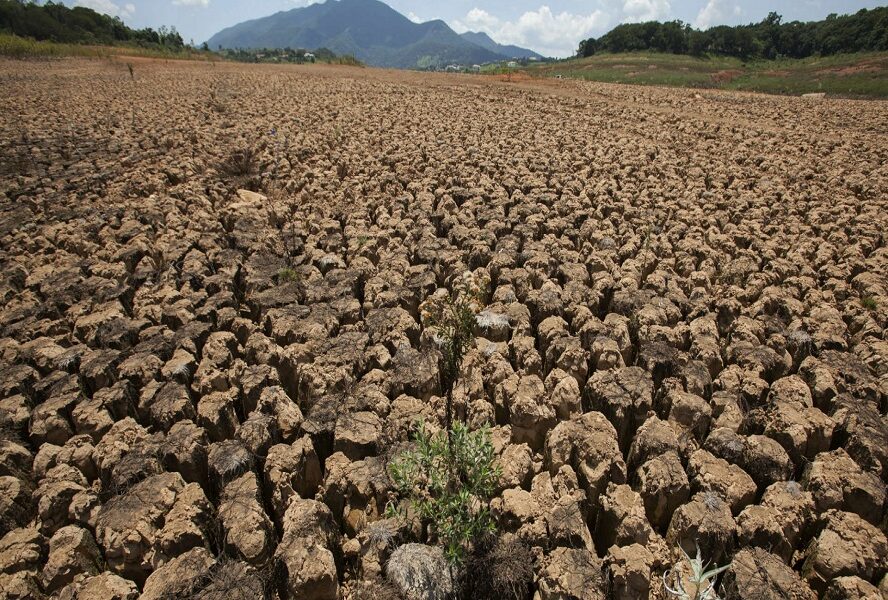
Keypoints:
pixel 869 303
pixel 698 583
pixel 449 480
pixel 288 275
pixel 866 30
pixel 55 22
pixel 452 315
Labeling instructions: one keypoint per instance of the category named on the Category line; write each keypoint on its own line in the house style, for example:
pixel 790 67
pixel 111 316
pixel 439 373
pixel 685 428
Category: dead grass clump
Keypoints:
pixel 501 569
pixel 374 590
pixel 241 162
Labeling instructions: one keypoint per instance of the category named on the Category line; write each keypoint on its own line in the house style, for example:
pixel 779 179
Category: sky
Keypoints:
pixel 550 27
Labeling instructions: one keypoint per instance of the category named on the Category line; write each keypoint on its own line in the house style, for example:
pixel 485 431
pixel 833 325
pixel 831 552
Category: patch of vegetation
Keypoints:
pixel 855 75
pixel 288 275
pixel 452 318
pixel 863 31
pixel 55 22
pixel 449 477
pixel 289 55
pixel 869 303
pixel 694 581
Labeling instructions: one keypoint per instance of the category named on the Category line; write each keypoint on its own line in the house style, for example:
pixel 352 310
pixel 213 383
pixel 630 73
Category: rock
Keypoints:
pixel 20 586
pixel 530 415
pixel 710 473
pixel 23 549
pixel 247 529
pixel 690 412
pixel 779 522
pixel 758 574
pixel 863 433
pixel 653 438
pixel 226 461
pixel 258 433
pixel 72 552
pixel 305 552
pixel 852 588
pixel 180 577
pixel 705 520
pixel 516 464
pixel 217 414
pixel 185 451
pixel 589 446
pixel 571 573
pixel 357 434
pixel 104 586
pixel 847 546
pixel 629 571
pixel 663 486
pixel 356 492
pixel 16 507
pixel 624 396
pixel 291 469
pixel 836 482
pixel 622 520
pixel 420 572
pixel 150 523
pixel 53 497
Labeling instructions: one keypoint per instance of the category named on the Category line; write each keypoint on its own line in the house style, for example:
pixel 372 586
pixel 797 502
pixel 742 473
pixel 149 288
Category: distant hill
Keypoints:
pixel 55 22
pixel 370 30
pixel 480 38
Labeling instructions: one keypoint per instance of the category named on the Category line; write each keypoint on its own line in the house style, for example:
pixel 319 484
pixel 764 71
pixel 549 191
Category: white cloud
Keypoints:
pixel 203 3
pixel 716 12
pixel 645 10
pixel 108 7
pixel 413 17
pixel 550 34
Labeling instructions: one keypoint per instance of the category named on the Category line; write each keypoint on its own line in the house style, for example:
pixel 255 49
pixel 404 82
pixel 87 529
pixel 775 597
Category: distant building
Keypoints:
pixel 476 68
pixel 512 64
pixel 309 56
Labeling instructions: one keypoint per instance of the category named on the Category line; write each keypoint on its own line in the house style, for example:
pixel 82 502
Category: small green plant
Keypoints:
pixel 132 73
pixel 869 303
pixel 700 581
pixel 452 317
pixel 449 480
pixel 288 275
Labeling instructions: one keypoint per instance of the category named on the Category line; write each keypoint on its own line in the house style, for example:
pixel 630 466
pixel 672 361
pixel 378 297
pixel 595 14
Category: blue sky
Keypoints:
pixel 551 27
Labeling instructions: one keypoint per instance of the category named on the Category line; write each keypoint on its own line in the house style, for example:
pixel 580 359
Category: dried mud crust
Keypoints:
pixel 210 339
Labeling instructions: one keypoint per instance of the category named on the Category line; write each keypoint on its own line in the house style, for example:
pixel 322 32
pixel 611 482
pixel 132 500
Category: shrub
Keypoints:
pixel 700 581
pixel 449 479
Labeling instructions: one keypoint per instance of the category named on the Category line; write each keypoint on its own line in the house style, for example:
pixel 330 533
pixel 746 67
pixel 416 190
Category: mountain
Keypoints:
pixel 370 30
pixel 479 38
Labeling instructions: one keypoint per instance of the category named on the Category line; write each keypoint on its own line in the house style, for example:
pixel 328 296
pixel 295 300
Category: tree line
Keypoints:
pixel 56 22
pixel 866 30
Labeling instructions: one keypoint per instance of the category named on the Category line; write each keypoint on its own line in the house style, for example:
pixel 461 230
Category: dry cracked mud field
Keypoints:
pixel 201 386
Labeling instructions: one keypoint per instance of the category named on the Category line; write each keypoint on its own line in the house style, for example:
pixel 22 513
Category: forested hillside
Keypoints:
pixel 79 25
pixel 866 30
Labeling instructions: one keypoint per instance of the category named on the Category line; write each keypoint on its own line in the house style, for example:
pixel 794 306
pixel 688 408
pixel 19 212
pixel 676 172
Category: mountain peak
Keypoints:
pixel 370 30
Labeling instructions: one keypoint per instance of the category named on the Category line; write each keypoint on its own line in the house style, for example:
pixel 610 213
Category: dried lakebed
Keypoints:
pixel 211 346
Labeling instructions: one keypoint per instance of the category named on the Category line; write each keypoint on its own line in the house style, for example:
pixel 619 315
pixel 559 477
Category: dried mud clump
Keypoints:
pixel 211 340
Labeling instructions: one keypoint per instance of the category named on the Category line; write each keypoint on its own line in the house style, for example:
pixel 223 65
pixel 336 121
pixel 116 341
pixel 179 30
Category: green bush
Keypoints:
pixel 449 480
